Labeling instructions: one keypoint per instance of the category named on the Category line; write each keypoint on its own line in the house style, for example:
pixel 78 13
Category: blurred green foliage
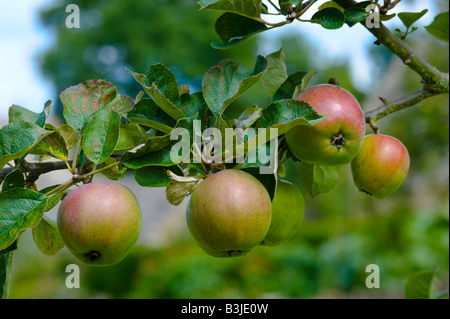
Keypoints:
pixel 343 231
pixel 134 34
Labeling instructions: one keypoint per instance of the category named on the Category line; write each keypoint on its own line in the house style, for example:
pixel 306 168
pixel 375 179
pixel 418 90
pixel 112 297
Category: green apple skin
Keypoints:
pixel 336 139
pixel 288 210
pixel 229 213
pixel 100 222
pixel 381 166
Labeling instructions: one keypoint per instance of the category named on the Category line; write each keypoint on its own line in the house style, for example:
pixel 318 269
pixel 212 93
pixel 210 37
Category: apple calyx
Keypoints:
pixel 93 256
pixel 338 140
pixel 234 252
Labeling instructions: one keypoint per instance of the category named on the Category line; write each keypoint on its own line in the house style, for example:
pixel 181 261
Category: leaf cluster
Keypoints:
pixel 108 133
pixel 243 19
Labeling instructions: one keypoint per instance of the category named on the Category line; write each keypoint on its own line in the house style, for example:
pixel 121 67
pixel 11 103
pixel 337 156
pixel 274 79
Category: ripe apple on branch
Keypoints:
pixel 232 206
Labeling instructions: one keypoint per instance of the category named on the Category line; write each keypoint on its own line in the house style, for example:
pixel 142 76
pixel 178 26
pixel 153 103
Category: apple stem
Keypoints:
pixel 104 168
pixel 374 126
pixel 62 187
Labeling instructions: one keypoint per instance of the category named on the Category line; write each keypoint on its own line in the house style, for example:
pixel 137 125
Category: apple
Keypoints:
pixel 288 210
pixel 99 222
pixel 336 139
pixel 229 213
pixel 381 166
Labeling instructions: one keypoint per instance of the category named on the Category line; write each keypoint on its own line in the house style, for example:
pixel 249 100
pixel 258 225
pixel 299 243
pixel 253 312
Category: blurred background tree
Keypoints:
pixel 343 231
pixel 115 35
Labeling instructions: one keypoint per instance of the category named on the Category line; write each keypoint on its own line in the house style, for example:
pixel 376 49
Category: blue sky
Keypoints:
pixel 22 37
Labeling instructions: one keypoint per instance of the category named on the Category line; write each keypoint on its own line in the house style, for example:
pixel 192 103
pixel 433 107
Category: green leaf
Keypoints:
pixel 192 104
pixel 289 86
pixel 306 79
pixel 116 172
pixel 330 4
pixel 251 8
pixel 269 164
pixel 82 101
pixel 318 179
pixel 17 139
pixel 155 143
pixel 152 144
pixel 101 135
pixel 13 179
pixel 163 102
pixel 233 28
pixel 164 79
pixel 130 136
pixel 46 237
pixel 17 113
pixel 387 17
pixel 52 145
pixel 363 4
pixel 439 27
pixel 155 176
pixel 69 134
pixel 195 169
pixel 355 14
pixel 52 200
pixel 177 190
pixel 146 112
pixel 282 115
pixel 286 4
pixel 159 157
pixel 160 83
pixel 276 72
pixel 223 83
pixel 19 209
pixel 10 248
pixel 420 285
pixel 247 118
pixel 5 272
pixel 408 18
pixel 329 18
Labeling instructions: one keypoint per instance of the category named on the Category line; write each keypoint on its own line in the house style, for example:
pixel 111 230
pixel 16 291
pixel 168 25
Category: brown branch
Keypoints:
pixel 35 168
pixel 434 81
pixel 40 168
pixel 397 105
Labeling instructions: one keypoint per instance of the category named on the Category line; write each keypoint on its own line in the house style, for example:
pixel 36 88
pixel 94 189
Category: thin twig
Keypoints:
pixel 104 168
pixel 397 105
pixel 434 81
pixel 273 5
pixel 38 168
pixel 62 187
pixel 43 167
